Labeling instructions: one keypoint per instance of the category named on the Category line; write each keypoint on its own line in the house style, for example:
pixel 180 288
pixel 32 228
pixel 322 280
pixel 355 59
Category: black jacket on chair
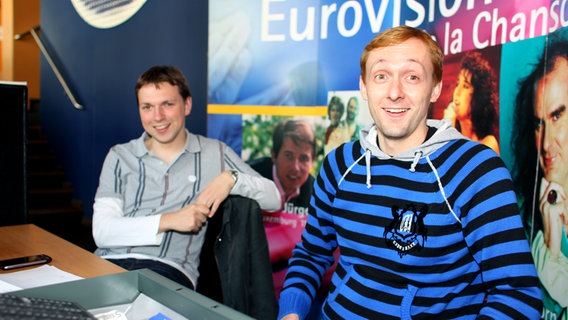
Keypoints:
pixel 235 265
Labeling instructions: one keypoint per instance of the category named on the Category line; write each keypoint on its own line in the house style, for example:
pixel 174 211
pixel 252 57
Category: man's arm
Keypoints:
pixel 250 184
pixel 111 229
pixel 307 267
pixel 495 236
pixel 261 189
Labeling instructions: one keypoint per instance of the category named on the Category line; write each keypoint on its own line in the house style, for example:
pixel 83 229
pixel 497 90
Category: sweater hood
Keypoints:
pixel 444 133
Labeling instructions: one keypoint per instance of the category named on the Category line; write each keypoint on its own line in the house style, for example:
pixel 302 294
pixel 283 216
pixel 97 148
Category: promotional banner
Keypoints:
pixel 284 71
pixel 536 100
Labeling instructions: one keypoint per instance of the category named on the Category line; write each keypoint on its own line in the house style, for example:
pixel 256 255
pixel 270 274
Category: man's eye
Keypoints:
pixel 380 76
pixel 413 77
pixel 558 113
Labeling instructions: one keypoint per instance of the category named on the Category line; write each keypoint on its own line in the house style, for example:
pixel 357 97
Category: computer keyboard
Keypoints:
pixel 20 308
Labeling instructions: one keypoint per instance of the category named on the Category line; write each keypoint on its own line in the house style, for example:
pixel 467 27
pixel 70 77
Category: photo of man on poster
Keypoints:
pixel 289 167
pixel 287 150
pixel 540 137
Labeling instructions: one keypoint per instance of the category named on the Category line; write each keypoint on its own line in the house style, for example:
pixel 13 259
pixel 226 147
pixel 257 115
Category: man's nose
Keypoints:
pixel 395 89
pixel 548 135
pixel 296 164
pixel 158 113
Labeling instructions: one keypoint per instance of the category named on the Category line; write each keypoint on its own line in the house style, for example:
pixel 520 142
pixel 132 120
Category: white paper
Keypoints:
pixel 143 307
pixel 7 287
pixel 36 277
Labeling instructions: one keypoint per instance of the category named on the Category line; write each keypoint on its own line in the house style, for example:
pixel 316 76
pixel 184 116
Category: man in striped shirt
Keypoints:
pixel 156 192
pixel 426 220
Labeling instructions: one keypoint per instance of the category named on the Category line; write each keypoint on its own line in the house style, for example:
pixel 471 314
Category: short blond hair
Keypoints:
pixel 397 35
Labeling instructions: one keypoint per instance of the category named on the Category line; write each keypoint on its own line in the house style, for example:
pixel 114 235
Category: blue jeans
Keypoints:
pixel 156 266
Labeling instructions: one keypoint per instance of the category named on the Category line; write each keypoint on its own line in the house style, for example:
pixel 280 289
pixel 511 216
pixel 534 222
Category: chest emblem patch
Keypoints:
pixel 407 233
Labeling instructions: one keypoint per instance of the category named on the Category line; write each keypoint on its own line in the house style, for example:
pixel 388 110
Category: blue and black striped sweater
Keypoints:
pixel 434 233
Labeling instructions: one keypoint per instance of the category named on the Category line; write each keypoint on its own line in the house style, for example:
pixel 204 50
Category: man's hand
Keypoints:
pixel 291 316
pixel 216 191
pixel 552 207
pixel 192 217
pixel 188 219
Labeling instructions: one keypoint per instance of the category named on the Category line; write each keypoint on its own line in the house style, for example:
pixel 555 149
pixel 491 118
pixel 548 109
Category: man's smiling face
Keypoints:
pixel 399 88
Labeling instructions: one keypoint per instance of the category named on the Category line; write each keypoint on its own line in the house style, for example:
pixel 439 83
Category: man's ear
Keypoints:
pixel 188 104
pixel 363 88
pixel 436 91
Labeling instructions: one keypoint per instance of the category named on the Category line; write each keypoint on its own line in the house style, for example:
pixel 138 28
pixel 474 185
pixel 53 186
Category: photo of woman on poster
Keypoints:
pixel 540 137
pixel 473 109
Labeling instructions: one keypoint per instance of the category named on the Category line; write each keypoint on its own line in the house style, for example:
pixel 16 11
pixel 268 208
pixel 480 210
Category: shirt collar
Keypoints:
pixel 192 144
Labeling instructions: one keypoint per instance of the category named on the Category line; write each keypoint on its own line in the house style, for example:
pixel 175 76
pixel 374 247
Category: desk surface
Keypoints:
pixel 28 239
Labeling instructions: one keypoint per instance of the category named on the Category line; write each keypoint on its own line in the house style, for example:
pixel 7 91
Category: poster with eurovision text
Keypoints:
pixel 292 67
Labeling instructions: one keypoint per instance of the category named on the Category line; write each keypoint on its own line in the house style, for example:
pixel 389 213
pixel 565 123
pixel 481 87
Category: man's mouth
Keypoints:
pixel 549 161
pixel 161 128
pixel 398 110
pixel 293 177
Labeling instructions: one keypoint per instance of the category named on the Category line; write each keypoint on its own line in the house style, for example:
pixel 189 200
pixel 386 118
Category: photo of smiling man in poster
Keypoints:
pixel 539 143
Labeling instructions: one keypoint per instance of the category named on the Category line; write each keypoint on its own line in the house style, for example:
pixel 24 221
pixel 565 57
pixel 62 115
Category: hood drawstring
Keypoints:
pixel 417 156
pixel 368 165
pixel 442 189
pixel 367 156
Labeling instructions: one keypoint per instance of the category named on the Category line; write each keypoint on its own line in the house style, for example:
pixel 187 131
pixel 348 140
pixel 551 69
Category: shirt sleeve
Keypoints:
pixel 251 184
pixel 552 272
pixel 112 229
pixel 262 190
pixel 496 239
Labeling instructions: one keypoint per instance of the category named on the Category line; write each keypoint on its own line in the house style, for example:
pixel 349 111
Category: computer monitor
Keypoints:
pixel 13 159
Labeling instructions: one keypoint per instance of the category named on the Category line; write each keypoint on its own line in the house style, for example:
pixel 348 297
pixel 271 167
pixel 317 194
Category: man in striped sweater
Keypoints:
pixel 426 221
